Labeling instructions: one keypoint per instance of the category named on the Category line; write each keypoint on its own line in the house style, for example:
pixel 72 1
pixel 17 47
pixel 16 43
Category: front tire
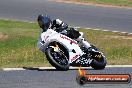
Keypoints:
pixel 64 65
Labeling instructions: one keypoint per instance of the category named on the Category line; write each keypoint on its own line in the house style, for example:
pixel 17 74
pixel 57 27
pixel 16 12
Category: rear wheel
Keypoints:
pixel 57 59
pixel 99 60
pixel 98 63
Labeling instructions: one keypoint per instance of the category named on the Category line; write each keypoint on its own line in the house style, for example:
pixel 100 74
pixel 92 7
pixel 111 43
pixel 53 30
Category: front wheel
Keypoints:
pixel 57 59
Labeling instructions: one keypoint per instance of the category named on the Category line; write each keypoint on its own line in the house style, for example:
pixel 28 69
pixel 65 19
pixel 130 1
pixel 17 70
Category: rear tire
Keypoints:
pixel 98 65
pixel 54 63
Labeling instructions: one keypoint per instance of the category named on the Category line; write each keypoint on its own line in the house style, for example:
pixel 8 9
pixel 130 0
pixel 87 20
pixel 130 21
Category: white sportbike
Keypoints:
pixel 62 52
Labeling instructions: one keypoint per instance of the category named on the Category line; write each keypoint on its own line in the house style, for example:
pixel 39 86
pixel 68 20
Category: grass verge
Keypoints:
pixel 18 45
pixel 126 3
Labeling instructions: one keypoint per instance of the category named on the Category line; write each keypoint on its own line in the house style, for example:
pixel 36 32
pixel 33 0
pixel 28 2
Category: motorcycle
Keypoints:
pixel 62 52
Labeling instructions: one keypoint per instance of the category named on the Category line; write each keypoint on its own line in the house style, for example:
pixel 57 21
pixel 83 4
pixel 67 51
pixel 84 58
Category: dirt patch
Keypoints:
pixel 3 36
pixel 91 3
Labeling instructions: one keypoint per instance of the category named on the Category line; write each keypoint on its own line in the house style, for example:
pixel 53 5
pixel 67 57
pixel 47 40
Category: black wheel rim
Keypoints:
pixel 59 57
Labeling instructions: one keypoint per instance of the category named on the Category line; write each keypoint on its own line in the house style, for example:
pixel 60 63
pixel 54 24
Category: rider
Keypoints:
pixel 45 23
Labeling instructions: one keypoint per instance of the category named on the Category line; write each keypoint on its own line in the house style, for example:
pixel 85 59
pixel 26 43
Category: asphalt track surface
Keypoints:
pixel 50 78
pixel 105 18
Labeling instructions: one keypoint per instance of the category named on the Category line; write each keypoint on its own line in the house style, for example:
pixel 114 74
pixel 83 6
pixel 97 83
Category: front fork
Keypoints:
pixel 55 47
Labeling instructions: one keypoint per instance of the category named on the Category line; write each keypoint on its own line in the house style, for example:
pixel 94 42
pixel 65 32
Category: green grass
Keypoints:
pixel 116 46
pixel 18 45
pixel 109 2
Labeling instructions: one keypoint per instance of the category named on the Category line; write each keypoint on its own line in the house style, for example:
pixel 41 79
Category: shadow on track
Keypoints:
pixel 48 69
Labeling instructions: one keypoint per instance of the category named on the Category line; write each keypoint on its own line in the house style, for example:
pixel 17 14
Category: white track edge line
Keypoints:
pixel 108 66
pixel 109 31
pixel 77 27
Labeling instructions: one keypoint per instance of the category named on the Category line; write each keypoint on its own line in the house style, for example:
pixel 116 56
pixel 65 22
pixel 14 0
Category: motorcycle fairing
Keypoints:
pixel 71 45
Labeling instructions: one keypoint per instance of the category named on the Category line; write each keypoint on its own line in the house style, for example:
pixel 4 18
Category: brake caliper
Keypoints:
pixel 56 47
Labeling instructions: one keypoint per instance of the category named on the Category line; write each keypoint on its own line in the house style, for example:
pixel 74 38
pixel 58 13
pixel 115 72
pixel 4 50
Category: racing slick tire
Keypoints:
pixel 54 61
pixel 98 65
